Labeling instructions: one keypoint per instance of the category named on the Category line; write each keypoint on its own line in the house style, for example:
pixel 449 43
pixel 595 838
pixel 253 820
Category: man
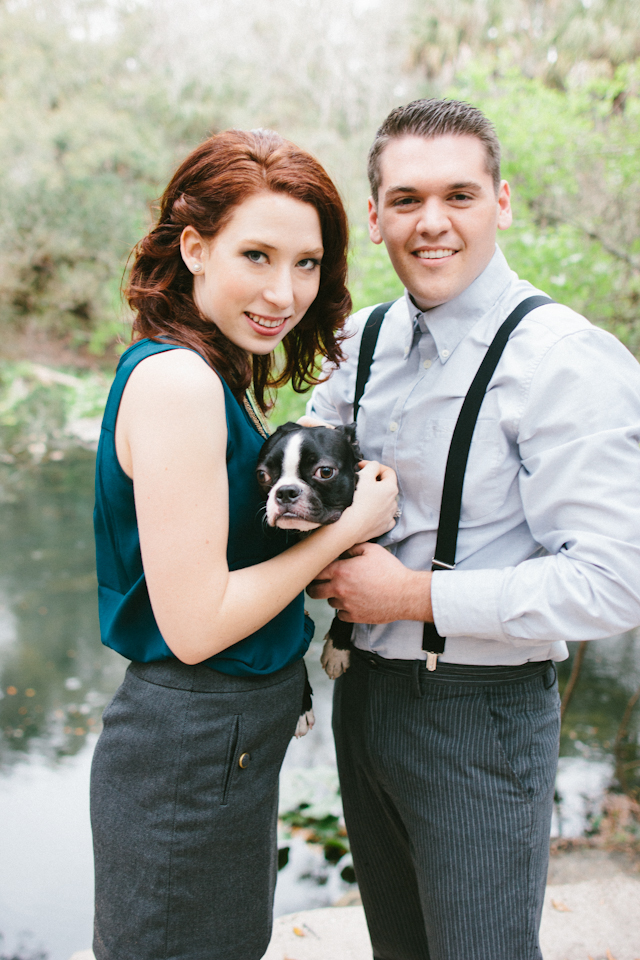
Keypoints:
pixel 447 774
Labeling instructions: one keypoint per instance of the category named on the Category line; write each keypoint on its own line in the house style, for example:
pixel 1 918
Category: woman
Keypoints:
pixel 249 253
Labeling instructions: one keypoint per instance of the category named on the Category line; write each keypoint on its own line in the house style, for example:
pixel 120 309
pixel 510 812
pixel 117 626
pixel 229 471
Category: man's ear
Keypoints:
pixel 374 229
pixel 505 216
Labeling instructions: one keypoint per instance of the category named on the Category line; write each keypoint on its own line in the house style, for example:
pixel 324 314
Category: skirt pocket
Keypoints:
pixel 230 762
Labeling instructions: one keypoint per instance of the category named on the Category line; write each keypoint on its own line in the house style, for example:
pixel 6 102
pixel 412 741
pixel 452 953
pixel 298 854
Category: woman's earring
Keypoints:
pixel 197 267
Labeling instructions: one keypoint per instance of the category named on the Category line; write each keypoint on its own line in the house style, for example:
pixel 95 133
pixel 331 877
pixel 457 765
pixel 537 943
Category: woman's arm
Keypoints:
pixel 171 438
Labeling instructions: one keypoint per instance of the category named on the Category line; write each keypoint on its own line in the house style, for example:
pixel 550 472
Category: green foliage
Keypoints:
pixel 328 832
pixel 372 279
pixel 288 406
pixel 86 143
pixel 554 41
pixel 571 159
pixel 99 99
pixel 44 413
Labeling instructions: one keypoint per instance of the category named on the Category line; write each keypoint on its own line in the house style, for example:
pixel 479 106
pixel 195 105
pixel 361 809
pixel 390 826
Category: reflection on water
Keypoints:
pixel 55 678
pixel 610 676
pixel 55 674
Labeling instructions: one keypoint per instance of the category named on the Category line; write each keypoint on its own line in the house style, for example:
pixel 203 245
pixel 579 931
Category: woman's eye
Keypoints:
pixel 325 473
pixel 309 263
pixel 256 256
pixel 263 477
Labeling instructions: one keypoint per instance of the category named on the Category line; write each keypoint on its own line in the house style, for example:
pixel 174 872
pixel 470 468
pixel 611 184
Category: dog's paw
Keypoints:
pixel 305 723
pixel 335 662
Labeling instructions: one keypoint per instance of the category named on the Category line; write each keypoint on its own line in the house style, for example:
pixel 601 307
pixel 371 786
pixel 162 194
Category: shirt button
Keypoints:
pixel 243 762
pixel 426 364
pixel 406 351
pixel 393 426
pixel 444 354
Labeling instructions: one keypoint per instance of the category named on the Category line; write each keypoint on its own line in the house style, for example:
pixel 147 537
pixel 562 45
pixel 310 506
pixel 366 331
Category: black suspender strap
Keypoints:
pixel 445 552
pixel 367 349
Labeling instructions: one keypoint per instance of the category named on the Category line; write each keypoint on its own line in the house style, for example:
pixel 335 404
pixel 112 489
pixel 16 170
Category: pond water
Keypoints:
pixel 56 677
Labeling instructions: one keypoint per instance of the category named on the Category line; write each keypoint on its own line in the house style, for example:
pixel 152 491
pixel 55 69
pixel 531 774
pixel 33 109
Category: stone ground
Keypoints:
pixel 591 912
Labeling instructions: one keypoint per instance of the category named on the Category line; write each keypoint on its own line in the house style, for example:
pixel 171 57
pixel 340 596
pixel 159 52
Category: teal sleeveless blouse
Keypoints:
pixel 127 623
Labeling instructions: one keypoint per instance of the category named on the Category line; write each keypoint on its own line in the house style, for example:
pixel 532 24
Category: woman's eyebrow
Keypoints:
pixel 262 244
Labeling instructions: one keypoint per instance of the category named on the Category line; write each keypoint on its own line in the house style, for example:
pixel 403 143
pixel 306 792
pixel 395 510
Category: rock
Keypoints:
pixel 325 934
pixel 596 918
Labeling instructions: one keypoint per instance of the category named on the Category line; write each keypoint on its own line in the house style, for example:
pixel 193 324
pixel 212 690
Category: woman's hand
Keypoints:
pixel 375 502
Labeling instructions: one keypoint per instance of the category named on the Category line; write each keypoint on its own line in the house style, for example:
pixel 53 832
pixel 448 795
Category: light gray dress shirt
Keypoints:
pixel 549 542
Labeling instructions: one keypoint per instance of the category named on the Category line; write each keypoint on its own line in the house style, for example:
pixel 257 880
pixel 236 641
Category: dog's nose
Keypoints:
pixel 287 494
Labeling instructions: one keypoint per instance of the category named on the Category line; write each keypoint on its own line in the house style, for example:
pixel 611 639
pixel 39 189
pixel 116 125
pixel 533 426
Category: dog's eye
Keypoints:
pixel 325 473
pixel 263 477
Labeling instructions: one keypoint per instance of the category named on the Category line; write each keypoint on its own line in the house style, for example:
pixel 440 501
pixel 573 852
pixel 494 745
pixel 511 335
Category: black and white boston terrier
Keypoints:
pixel 308 476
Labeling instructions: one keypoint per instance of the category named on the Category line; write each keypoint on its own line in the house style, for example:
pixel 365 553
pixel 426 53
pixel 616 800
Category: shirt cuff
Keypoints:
pixel 466 603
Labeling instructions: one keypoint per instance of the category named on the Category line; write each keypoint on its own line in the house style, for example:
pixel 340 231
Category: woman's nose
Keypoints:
pixel 279 290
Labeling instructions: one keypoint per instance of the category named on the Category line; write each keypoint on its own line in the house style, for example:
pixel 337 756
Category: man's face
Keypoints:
pixel 437 213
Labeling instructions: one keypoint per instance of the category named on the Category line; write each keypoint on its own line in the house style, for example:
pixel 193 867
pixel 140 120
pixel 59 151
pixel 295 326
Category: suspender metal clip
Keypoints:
pixel 432 660
pixel 442 565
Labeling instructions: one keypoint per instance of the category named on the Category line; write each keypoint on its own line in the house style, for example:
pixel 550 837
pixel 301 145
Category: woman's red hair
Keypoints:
pixel 214 179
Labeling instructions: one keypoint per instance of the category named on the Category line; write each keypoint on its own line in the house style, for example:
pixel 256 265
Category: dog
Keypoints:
pixel 308 476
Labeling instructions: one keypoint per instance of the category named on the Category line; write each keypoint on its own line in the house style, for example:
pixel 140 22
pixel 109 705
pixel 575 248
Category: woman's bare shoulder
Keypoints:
pixel 175 376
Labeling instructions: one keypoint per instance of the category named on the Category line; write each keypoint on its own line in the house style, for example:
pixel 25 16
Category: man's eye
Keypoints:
pixel 256 256
pixel 263 477
pixel 325 473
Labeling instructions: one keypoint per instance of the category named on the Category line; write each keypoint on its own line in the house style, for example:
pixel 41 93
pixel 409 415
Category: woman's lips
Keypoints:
pixel 266 326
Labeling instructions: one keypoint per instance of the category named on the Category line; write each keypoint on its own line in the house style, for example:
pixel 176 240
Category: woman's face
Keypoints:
pixel 257 278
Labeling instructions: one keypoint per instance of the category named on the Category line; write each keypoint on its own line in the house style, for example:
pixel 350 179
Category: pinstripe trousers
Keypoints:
pixel 448 792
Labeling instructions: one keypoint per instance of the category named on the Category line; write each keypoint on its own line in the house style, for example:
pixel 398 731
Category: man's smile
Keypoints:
pixel 438 254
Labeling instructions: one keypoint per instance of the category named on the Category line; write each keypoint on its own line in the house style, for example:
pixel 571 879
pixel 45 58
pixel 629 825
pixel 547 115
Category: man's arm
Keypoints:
pixel 580 487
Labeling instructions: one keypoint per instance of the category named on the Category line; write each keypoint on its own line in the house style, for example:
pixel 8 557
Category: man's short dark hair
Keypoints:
pixel 435 118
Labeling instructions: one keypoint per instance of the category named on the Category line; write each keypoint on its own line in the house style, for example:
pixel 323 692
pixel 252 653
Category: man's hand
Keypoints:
pixel 372 586
pixel 313 422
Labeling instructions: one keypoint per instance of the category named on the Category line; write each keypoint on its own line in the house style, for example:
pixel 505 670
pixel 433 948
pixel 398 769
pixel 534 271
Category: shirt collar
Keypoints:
pixel 450 322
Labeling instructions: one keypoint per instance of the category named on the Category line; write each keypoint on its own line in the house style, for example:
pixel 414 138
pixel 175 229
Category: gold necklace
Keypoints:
pixel 256 415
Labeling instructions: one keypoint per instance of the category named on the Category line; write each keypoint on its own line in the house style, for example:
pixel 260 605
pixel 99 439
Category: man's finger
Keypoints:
pixel 320 590
pixel 358 549
pixel 313 422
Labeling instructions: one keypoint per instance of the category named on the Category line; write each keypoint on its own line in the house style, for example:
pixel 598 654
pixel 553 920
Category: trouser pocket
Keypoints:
pixel 230 762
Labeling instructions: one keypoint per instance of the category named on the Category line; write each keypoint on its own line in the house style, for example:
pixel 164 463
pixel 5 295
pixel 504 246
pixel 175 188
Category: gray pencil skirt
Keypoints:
pixel 184 798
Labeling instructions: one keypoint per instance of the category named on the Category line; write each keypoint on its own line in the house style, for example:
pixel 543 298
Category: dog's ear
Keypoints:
pixel 349 430
pixel 288 427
